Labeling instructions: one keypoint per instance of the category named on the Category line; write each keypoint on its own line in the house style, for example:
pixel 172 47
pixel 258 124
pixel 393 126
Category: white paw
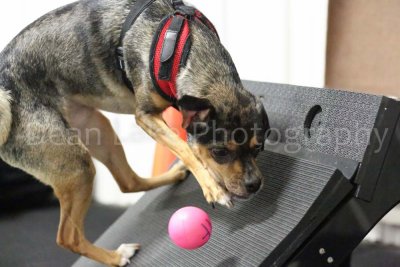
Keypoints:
pixel 127 251
pixel 226 200
pixel 179 166
pixel 180 171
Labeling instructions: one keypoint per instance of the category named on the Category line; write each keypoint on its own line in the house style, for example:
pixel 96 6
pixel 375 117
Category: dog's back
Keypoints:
pixel 65 52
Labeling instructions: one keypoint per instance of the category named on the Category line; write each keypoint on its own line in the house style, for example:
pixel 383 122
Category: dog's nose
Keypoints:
pixel 252 185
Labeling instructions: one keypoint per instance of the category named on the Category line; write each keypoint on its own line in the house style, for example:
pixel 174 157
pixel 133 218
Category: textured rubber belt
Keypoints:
pixel 244 236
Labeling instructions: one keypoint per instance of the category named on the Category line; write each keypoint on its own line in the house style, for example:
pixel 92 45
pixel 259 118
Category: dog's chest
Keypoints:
pixel 115 97
pixel 114 104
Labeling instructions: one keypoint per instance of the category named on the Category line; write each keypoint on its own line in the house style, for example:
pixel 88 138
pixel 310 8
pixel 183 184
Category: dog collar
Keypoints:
pixel 170 47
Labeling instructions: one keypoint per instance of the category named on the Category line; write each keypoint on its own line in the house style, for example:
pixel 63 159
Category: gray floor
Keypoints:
pixel 376 255
pixel 27 237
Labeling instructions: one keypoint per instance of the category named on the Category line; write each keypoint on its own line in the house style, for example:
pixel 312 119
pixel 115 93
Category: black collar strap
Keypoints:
pixel 170 48
pixel 136 11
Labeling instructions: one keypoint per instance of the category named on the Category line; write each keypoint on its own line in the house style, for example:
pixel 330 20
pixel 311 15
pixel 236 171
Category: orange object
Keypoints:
pixel 163 156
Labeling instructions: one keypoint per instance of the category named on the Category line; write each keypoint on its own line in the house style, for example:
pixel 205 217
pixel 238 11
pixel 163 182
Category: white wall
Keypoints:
pixel 279 41
pixel 16 14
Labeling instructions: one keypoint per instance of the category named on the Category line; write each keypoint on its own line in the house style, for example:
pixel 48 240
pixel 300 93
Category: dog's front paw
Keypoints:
pixel 127 251
pixel 214 193
pixel 180 171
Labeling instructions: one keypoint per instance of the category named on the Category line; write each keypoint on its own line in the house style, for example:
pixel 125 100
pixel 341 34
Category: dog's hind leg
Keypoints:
pixel 74 202
pixel 99 137
pixel 43 145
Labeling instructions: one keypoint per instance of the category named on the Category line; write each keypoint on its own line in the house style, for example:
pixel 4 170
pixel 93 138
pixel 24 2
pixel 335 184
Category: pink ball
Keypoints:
pixel 190 228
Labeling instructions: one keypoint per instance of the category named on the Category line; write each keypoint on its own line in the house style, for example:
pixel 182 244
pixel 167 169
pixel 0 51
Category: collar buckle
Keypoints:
pixel 177 3
pixel 186 11
pixel 120 58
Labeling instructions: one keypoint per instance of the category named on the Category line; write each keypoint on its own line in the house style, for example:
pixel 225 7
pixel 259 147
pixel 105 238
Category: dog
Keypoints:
pixel 61 70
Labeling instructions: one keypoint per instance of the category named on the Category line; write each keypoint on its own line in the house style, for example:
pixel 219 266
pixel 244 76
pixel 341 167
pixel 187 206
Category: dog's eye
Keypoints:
pixel 260 147
pixel 257 149
pixel 221 155
pixel 220 152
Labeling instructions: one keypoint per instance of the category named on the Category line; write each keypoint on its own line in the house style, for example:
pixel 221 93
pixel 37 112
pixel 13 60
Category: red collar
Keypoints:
pixel 170 48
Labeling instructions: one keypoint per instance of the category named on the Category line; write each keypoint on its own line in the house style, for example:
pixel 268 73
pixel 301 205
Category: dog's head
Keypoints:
pixel 227 135
pixel 227 124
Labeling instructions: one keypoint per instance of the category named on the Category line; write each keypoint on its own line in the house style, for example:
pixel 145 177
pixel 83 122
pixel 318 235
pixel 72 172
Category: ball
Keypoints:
pixel 190 228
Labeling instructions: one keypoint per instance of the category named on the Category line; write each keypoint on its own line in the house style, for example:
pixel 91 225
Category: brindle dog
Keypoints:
pixel 60 70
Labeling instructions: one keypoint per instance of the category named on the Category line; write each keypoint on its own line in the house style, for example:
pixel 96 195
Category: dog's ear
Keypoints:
pixel 264 117
pixel 194 110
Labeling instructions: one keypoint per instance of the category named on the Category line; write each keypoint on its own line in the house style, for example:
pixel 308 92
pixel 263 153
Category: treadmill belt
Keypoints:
pixel 243 236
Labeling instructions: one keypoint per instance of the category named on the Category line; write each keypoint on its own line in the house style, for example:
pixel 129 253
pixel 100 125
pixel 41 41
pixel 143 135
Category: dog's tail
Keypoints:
pixel 5 115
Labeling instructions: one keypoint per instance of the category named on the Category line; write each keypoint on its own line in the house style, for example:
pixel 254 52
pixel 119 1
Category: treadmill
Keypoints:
pixel 332 171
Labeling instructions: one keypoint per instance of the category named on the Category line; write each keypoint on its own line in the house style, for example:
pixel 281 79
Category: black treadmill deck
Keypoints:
pixel 324 188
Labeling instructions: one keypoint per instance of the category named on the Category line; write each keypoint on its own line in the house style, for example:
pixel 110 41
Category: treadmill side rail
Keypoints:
pixel 354 218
